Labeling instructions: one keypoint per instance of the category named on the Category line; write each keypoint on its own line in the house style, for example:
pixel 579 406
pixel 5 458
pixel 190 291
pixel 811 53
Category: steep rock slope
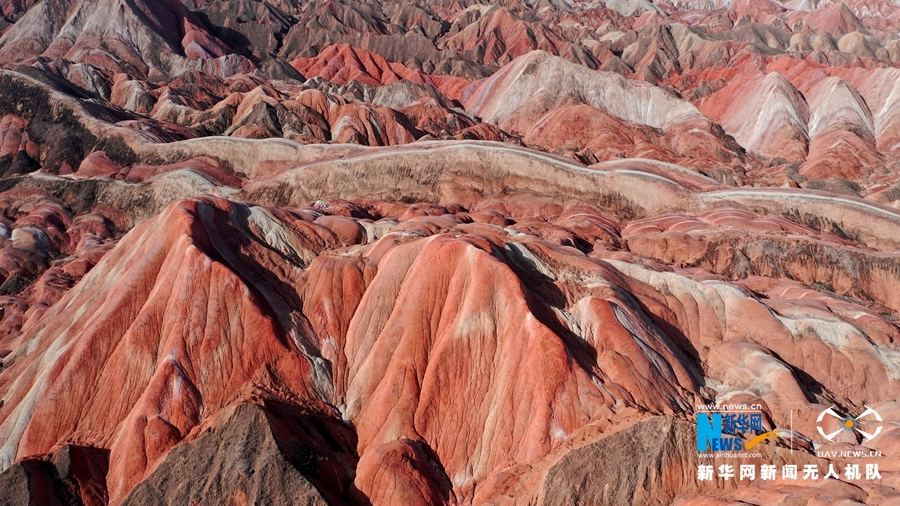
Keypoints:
pixel 764 113
pixel 336 314
pixel 537 88
pixel 395 252
pixel 143 38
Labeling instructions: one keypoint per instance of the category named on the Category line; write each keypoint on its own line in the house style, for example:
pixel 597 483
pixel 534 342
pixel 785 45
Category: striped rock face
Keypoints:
pixel 394 252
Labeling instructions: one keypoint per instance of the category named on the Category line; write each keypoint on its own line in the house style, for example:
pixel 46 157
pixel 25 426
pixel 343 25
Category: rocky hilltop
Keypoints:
pixel 399 252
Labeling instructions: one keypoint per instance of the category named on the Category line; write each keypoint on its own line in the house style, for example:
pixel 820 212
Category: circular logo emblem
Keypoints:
pixel 850 424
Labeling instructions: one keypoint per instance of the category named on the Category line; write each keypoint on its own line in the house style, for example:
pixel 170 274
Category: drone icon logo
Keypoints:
pixel 849 423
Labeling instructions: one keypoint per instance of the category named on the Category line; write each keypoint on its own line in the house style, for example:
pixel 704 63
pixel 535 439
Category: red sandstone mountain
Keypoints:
pixel 393 252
